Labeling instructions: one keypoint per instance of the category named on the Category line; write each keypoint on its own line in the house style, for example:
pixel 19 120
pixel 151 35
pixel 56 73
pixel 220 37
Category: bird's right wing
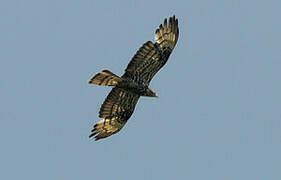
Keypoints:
pixel 117 108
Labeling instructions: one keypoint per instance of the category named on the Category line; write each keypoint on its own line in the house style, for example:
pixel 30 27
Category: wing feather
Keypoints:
pixel 117 108
pixel 151 57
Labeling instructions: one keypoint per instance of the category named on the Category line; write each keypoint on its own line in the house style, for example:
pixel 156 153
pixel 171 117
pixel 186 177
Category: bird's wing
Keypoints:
pixel 117 108
pixel 151 57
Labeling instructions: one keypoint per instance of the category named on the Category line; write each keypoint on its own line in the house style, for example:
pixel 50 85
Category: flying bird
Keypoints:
pixel 120 103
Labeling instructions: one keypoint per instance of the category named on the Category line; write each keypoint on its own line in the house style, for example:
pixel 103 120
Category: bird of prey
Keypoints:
pixel 120 103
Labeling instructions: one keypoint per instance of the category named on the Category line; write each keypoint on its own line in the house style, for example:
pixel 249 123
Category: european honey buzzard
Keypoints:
pixel 120 103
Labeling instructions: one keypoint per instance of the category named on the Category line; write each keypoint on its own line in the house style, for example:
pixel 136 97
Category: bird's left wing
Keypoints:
pixel 152 56
pixel 117 108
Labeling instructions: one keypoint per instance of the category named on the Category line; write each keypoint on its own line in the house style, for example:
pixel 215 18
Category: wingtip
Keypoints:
pixel 165 22
pixel 168 31
pixel 94 138
pixel 93 135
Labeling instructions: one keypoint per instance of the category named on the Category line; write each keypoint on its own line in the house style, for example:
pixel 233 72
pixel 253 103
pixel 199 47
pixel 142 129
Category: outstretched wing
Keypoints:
pixel 117 108
pixel 151 57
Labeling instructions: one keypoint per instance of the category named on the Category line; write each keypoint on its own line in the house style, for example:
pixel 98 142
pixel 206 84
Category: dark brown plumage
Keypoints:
pixel 120 103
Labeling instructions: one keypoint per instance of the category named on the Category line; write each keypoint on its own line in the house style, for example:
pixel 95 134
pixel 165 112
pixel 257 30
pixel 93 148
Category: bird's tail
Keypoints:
pixel 105 78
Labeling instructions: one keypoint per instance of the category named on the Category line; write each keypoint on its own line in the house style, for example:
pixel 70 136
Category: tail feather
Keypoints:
pixel 105 78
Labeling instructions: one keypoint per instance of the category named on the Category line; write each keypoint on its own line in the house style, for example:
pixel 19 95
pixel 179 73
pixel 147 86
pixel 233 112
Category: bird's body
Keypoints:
pixel 139 89
pixel 120 102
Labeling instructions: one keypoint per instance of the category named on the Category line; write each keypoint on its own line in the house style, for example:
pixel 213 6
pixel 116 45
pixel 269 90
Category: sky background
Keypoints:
pixel 218 115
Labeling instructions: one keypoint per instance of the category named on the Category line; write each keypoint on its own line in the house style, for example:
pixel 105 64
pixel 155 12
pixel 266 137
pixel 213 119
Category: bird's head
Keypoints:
pixel 150 92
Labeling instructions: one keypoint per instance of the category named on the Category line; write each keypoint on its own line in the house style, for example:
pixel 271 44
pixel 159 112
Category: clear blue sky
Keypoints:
pixel 218 115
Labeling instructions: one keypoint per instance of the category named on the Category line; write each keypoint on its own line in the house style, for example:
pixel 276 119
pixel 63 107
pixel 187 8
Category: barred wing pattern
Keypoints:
pixel 120 103
pixel 152 57
pixel 117 108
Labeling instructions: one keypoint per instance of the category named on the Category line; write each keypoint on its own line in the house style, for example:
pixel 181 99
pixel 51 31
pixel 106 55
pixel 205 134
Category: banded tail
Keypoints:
pixel 105 78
